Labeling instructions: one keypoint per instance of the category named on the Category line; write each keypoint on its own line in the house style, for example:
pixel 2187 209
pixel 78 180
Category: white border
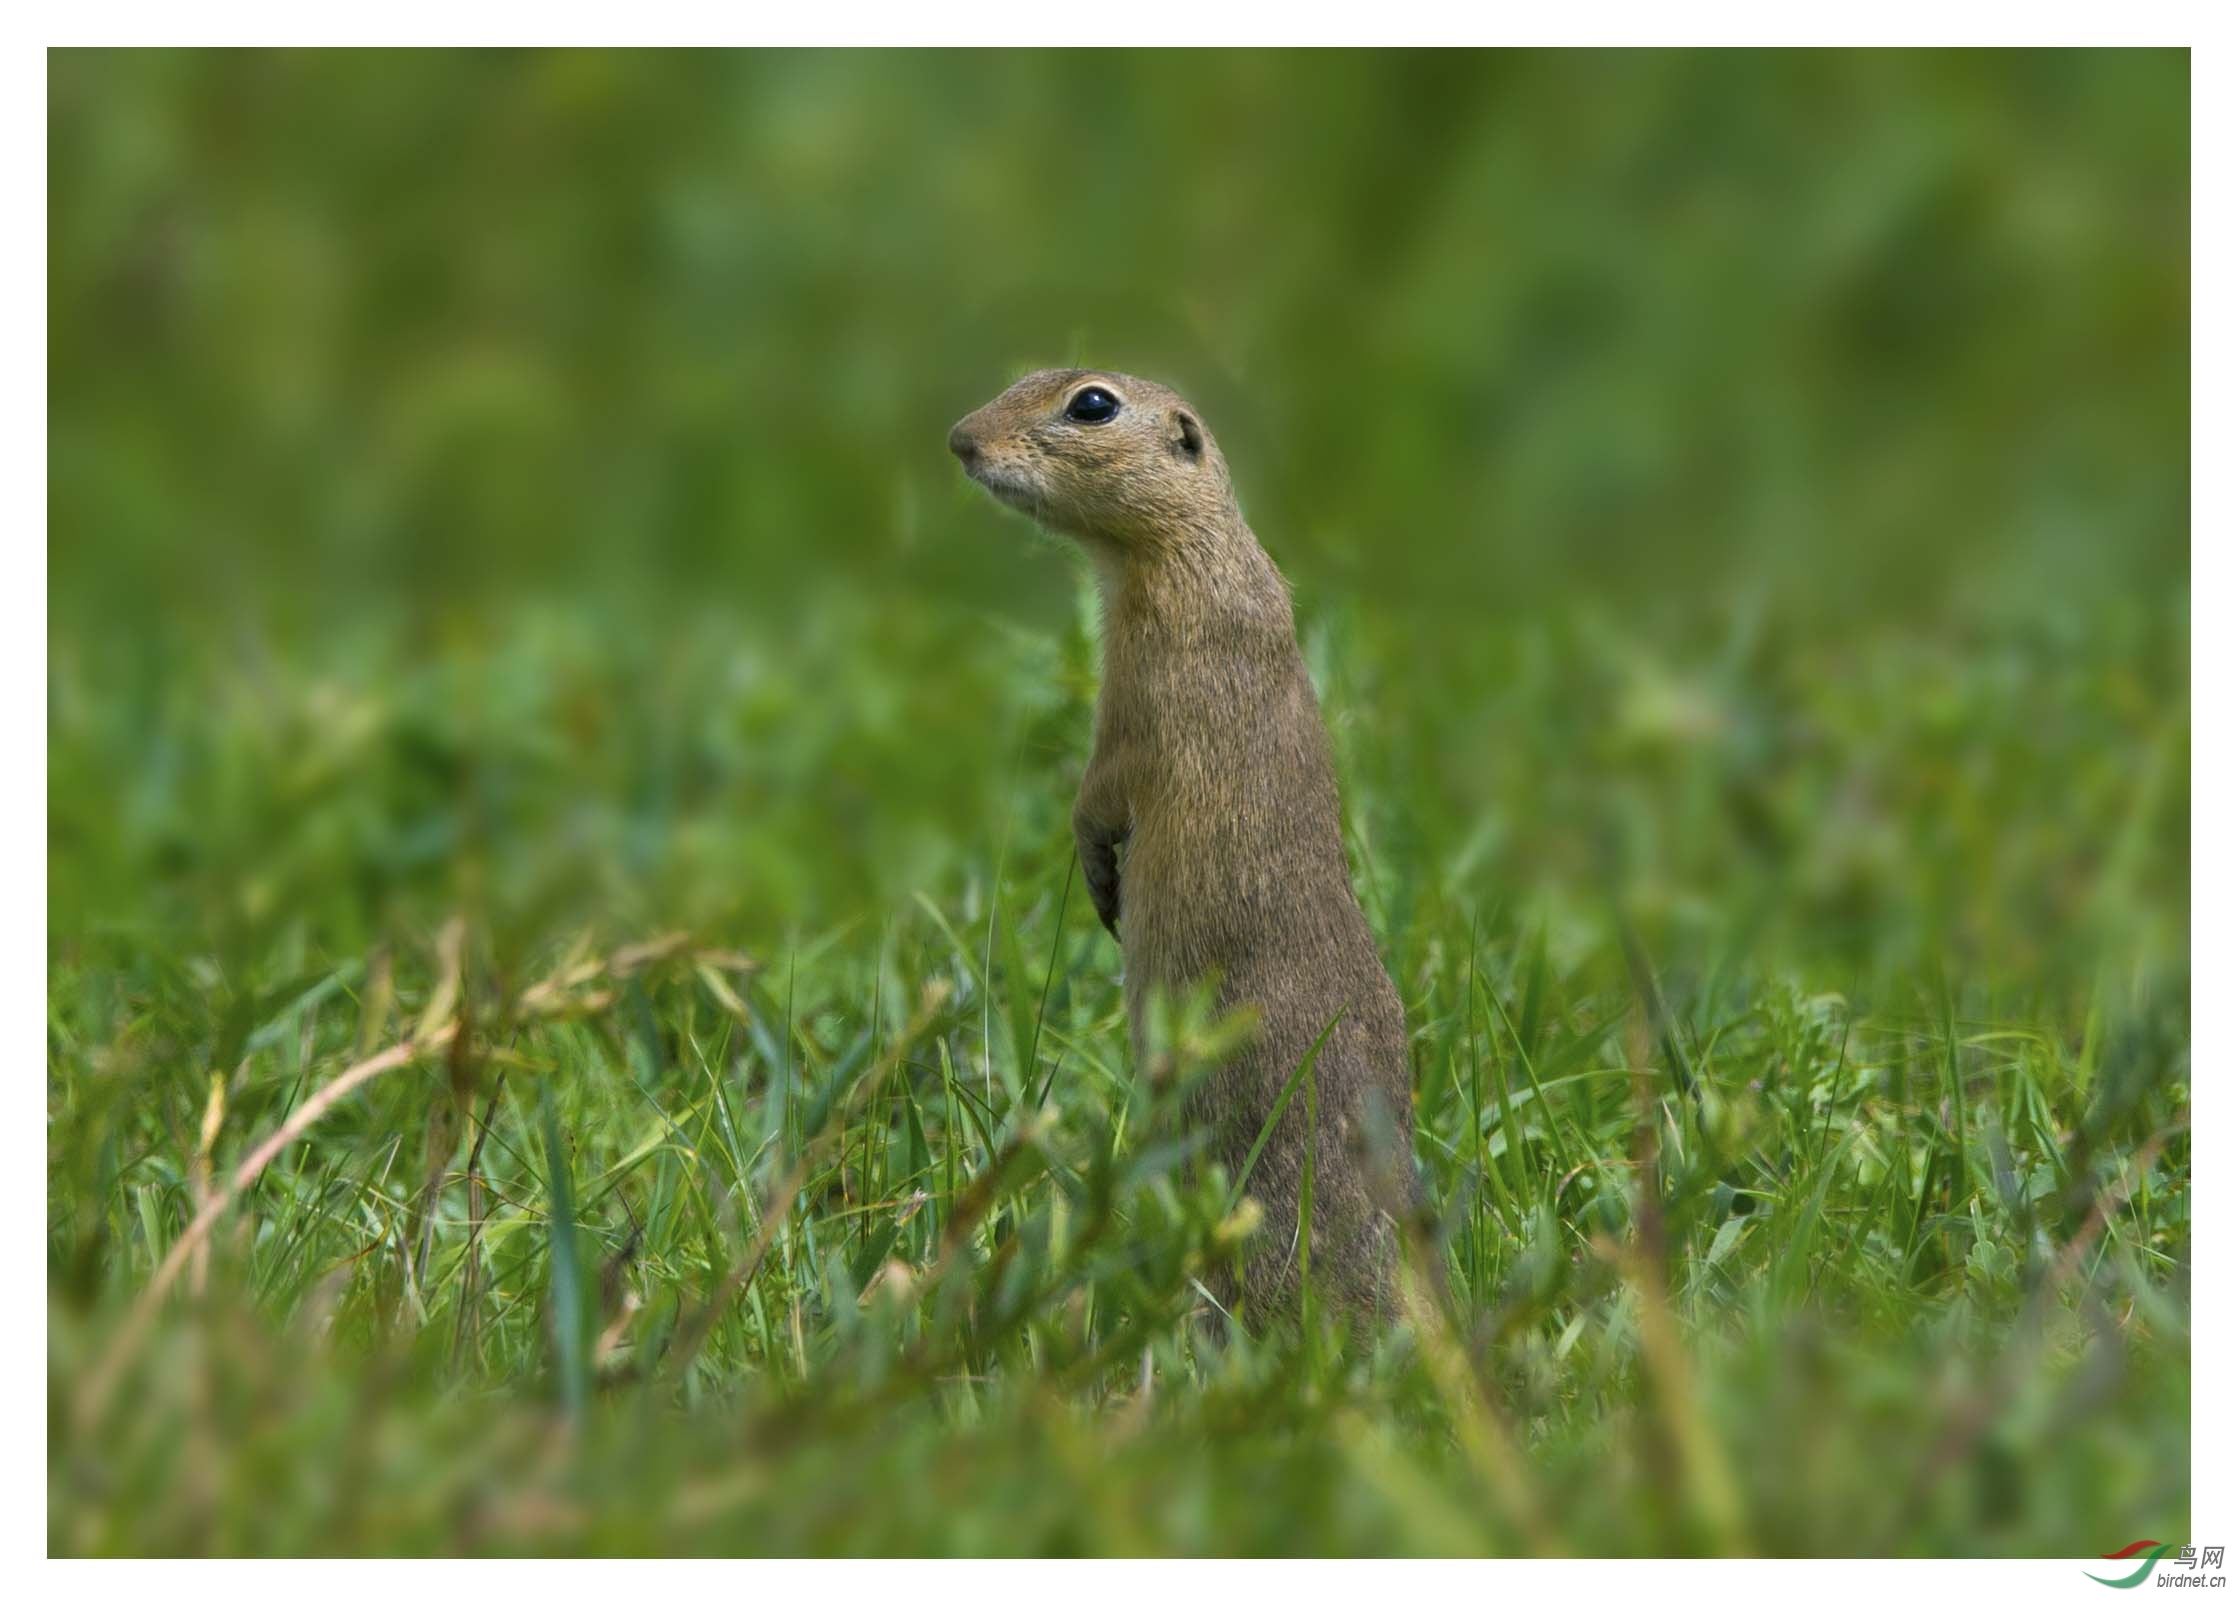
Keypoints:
pixel 2214 883
pixel 1019 23
pixel 2214 865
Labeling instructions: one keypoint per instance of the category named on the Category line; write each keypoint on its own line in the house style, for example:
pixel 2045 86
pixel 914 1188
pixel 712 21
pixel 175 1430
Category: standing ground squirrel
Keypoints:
pixel 1208 818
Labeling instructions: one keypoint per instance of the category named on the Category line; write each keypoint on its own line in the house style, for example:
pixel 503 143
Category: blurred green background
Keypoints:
pixel 1733 358
pixel 1749 490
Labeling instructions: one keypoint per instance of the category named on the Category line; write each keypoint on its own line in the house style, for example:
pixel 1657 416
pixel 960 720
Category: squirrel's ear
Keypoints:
pixel 1188 437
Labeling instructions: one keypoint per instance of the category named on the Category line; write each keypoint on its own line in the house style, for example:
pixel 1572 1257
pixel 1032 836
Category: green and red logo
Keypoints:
pixel 2151 1549
pixel 2192 1566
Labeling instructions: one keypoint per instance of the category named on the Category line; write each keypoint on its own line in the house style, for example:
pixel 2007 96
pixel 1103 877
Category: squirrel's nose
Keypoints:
pixel 963 443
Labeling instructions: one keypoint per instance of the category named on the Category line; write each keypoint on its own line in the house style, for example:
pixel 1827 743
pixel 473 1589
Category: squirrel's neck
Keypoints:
pixel 1201 583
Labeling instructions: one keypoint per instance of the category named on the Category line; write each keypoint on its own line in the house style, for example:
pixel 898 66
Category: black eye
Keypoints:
pixel 1095 405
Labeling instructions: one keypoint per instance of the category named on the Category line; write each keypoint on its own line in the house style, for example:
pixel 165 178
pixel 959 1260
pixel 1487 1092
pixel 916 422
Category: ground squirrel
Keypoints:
pixel 1207 820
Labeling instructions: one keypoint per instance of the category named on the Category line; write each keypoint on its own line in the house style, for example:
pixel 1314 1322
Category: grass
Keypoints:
pixel 1791 1199
pixel 506 581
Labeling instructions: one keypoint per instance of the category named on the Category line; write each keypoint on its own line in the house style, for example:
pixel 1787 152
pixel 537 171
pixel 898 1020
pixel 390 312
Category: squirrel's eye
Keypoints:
pixel 1095 405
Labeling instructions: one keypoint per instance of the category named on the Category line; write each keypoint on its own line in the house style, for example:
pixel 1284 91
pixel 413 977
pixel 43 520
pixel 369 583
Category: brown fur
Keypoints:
pixel 1208 818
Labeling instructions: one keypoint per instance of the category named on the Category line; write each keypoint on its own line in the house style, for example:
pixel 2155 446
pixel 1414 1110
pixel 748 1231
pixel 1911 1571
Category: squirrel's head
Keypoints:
pixel 1110 460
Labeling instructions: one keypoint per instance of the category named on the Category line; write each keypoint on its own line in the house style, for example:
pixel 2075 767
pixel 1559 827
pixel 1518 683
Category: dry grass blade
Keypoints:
pixel 552 996
pixel 779 1203
pixel 198 1171
pixel 1484 1438
pixel 101 1382
pixel 1643 1264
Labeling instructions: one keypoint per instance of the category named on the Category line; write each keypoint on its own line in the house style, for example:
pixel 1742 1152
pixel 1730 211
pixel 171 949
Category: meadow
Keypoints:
pixel 513 625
